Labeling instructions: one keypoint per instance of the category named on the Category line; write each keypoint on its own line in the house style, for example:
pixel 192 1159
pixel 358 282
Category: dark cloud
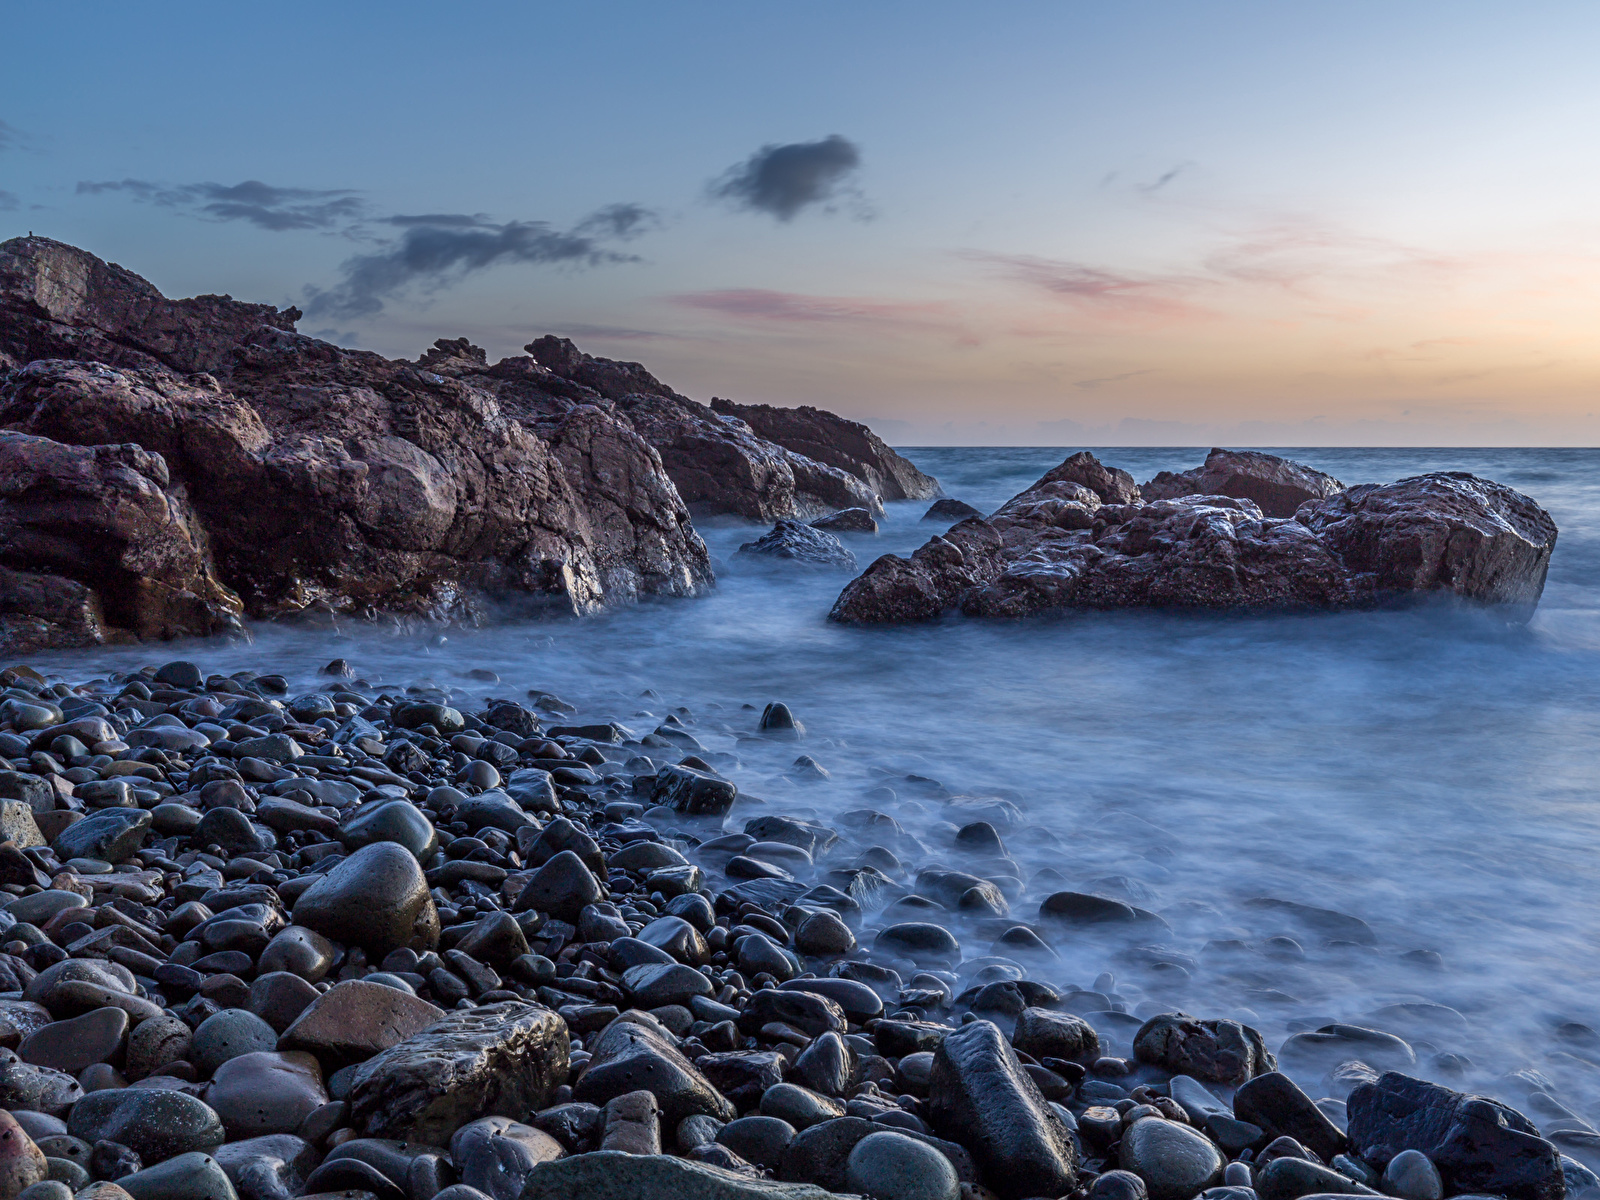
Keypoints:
pixel 783 180
pixel 441 251
pixel 259 204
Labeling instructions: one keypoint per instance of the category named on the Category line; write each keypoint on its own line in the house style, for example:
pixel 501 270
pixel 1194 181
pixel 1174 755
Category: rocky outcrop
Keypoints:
pixel 831 439
pixel 1277 485
pixel 718 462
pixel 97 541
pixel 1082 538
pixel 244 467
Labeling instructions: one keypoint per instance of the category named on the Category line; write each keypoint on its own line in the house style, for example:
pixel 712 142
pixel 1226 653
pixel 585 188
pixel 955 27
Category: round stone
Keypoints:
pixel 228 1034
pixel 892 1166
pixel 266 1092
pixel 757 1139
pixel 300 951
pixel 72 1045
pixel 377 899
pixel 1411 1175
pixel 155 1123
pixel 1175 1161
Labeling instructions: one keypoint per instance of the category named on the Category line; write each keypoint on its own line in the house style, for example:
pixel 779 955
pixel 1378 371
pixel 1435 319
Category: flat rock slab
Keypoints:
pixel 500 1060
pixel 354 1020
pixel 612 1175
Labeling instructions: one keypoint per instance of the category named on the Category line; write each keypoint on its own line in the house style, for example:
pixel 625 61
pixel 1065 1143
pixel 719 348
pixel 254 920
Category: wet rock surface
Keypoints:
pixel 1084 537
pixel 608 970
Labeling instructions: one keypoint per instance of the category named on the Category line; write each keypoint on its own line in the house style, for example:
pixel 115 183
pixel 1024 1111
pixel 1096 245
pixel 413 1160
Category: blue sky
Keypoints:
pixel 1253 222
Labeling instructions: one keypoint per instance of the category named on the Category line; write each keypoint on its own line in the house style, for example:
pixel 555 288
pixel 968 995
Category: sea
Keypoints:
pixel 1431 771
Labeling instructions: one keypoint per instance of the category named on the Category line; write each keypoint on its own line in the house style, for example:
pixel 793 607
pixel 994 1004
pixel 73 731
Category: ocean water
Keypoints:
pixel 1430 771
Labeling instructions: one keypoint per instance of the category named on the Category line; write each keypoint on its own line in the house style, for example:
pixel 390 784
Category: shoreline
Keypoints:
pixel 501 816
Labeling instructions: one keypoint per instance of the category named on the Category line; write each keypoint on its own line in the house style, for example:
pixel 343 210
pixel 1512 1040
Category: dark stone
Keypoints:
pixel 562 888
pixel 802 543
pixel 1275 1104
pixel 1211 1051
pixel 503 1059
pixel 980 1096
pixel 1043 1033
pixel 820 1154
pixel 630 1056
pixel 1478 1144
pixel 157 1124
pixel 808 1012
pixel 949 511
pixel 377 899
pixel 694 793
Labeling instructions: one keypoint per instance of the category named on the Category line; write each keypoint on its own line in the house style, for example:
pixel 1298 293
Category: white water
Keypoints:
pixel 1430 771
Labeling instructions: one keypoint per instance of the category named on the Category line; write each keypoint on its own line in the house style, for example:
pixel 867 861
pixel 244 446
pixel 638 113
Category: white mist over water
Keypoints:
pixel 1430 771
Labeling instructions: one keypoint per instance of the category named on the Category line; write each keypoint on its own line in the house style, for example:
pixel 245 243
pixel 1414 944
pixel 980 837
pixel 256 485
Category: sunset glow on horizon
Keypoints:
pixel 1067 223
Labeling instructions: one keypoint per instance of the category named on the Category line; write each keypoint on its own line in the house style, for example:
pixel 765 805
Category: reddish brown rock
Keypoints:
pixel 1277 485
pixel 1068 542
pixel 847 445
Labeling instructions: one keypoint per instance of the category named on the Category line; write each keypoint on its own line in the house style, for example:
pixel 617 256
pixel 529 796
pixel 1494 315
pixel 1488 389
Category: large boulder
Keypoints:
pixel 1081 538
pixel 1277 485
pixel 1479 1145
pixel 1444 532
pixel 827 438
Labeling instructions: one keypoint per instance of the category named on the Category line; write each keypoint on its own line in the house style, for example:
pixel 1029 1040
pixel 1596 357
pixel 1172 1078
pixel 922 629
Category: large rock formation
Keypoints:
pixel 232 464
pixel 187 462
pixel 831 439
pixel 1084 538
pixel 719 464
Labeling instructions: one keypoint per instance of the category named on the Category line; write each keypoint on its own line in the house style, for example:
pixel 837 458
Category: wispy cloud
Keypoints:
pixel 259 204
pixel 1089 385
pixel 1098 289
pixel 442 249
pixel 784 180
pixel 790 308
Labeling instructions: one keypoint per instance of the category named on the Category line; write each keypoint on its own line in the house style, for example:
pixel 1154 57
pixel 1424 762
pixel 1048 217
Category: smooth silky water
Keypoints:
pixel 1431 770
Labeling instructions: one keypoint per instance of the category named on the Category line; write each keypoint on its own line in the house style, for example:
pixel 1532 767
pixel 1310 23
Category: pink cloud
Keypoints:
pixel 761 304
pixel 1116 294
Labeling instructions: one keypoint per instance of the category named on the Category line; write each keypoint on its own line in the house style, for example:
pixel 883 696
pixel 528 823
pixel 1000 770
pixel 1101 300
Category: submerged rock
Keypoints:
pixel 803 543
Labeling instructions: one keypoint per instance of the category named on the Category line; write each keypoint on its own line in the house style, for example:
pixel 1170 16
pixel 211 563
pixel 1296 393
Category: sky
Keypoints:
pixel 1118 222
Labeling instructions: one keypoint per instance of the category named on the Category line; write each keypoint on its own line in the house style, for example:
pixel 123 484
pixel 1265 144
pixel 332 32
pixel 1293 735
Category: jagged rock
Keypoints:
pixel 1479 1145
pixel 1081 539
pixel 838 442
pixel 98 544
pixel 718 464
pixel 1219 1051
pixel 847 520
pixel 615 1175
pixel 500 1060
pixel 803 543
pixel 1277 485
pixel 428 492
